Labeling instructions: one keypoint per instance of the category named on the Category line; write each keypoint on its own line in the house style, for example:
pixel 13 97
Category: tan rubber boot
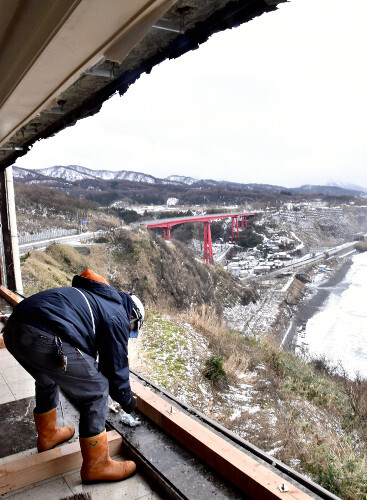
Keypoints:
pixel 97 464
pixel 49 435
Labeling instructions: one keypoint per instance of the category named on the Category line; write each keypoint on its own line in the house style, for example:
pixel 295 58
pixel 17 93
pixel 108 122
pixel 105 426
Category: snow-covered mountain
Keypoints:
pixel 181 179
pixel 74 173
pixel 346 185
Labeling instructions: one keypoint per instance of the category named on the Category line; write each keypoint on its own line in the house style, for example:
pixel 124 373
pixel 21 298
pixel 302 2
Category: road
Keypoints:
pixel 43 244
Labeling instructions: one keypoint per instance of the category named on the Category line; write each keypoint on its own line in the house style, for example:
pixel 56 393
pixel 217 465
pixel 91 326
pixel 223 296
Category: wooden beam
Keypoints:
pixel 51 463
pixel 9 296
pixel 253 478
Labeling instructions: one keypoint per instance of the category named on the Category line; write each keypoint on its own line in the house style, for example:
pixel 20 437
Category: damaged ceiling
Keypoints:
pixel 61 59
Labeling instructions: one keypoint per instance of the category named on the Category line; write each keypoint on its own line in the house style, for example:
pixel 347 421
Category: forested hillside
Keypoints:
pixel 140 262
pixel 40 208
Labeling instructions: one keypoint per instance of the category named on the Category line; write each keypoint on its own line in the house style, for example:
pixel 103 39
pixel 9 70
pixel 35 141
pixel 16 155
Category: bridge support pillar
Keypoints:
pixel 208 248
pixel 234 222
pixel 167 233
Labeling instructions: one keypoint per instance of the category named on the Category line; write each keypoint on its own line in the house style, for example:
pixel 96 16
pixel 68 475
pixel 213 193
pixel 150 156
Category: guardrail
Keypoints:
pixel 46 235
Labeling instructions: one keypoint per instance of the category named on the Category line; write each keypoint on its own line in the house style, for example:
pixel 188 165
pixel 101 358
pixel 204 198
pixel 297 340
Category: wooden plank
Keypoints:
pixel 9 296
pixel 51 463
pixel 254 479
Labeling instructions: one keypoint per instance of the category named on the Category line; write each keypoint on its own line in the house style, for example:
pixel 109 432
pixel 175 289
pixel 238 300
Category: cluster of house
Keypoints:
pixel 304 205
pixel 263 258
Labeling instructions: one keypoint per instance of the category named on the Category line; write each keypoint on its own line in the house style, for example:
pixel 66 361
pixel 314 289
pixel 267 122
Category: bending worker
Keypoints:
pixel 76 338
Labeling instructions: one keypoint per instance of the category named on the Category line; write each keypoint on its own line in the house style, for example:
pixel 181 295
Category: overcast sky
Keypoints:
pixel 279 100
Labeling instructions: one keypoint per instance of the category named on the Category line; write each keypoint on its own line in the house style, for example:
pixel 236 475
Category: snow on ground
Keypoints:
pixel 171 354
pixel 165 343
pixel 256 319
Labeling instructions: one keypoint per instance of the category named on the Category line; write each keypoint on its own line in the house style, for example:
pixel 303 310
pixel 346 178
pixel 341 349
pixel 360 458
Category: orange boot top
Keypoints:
pixel 49 435
pixel 97 464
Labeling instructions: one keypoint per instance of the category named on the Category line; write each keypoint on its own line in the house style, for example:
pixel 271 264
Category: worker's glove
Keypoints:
pixel 131 406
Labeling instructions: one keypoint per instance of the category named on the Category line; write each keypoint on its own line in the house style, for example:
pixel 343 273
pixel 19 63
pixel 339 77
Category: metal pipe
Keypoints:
pixel 168 26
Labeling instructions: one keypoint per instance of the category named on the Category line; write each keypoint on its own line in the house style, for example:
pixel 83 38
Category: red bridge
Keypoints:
pixel 166 225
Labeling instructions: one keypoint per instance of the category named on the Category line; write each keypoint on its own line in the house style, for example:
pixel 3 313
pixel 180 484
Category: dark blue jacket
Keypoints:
pixel 65 312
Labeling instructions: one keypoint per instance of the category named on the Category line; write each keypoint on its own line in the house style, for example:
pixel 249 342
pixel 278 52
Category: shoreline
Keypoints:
pixel 314 302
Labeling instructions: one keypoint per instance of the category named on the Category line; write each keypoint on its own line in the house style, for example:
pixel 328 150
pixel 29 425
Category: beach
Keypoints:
pixel 331 324
pixel 314 302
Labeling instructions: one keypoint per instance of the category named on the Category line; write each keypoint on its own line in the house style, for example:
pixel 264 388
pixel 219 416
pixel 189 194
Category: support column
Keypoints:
pixel 233 225
pixel 208 247
pixel 243 221
pixel 7 264
pixel 13 229
pixel 167 233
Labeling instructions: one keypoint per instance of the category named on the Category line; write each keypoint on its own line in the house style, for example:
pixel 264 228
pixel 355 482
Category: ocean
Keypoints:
pixel 339 330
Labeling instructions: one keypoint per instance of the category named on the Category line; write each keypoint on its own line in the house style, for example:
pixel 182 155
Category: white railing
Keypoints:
pixel 46 235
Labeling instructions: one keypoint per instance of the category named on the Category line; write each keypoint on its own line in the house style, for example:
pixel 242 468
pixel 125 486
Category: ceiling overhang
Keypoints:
pixel 61 59
pixel 48 45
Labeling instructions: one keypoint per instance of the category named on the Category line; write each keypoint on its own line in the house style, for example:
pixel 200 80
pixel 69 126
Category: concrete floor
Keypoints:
pixel 17 384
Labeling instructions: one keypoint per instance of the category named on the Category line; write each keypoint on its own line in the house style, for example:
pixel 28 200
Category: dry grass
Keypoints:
pixel 223 342
pixel 356 391
pixel 57 266
pixel 338 465
pixel 41 271
pixel 236 364
pixel 205 320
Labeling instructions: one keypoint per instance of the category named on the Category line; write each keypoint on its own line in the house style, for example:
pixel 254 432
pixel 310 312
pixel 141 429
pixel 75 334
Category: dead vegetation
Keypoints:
pixel 296 292
pixel 57 265
pixel 40 208
pixel 169 275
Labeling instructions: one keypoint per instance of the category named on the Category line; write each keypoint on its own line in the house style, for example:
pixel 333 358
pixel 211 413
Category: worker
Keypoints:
pixel 76 338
